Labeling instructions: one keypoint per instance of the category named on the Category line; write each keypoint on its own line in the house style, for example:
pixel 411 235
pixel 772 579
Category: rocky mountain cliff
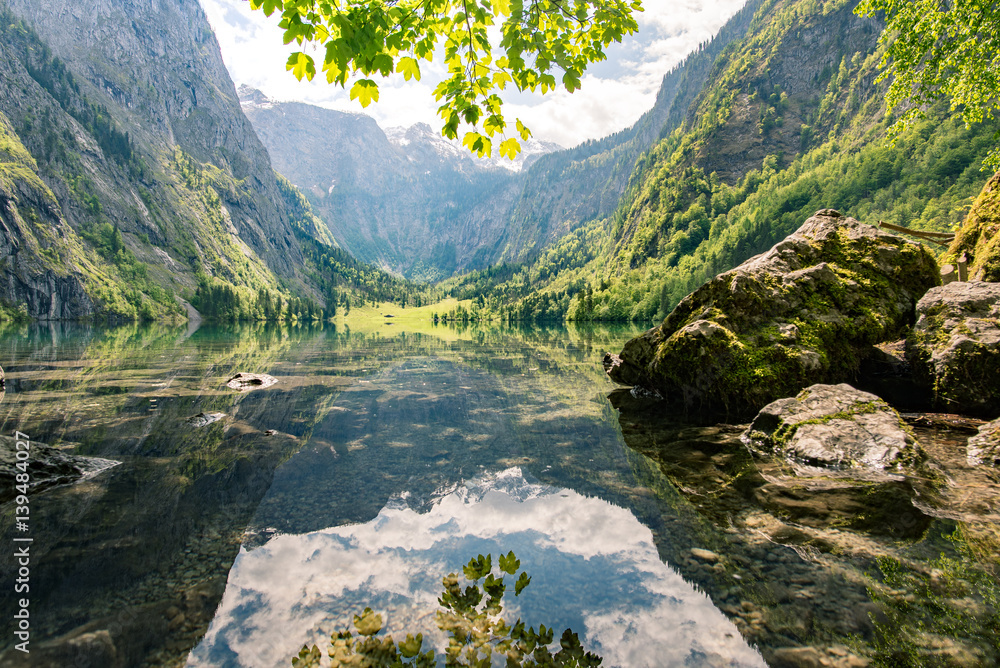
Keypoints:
pixel 407 200
pixel 785 119
pixel 415 203
pixel 132 153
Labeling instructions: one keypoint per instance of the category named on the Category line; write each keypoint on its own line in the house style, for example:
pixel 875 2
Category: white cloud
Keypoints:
pixel 614 95
pixel 595 569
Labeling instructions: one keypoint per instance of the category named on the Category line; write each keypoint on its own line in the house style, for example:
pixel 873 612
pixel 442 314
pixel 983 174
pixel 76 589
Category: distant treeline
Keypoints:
pixel 685 226
pixel 222 302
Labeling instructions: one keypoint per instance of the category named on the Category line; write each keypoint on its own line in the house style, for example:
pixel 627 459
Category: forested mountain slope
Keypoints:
pixel 420 206
pixel 789 121
pixel 567 188
pixel 129 171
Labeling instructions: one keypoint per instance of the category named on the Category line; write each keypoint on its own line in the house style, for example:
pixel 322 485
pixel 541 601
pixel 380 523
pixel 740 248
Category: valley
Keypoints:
pixel 789 457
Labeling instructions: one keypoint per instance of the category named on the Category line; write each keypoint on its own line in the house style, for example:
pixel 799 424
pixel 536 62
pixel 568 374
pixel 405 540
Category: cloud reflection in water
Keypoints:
pixel 594 569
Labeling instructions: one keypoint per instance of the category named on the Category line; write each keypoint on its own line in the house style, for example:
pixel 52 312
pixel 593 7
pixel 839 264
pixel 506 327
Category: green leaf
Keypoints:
pixel 410 647
pixel 409 67
pixel 383 64
pixel 493 586
pixel 365 91
pixel 501 79
pixel 571 81
pixel 508 562
pixel 368 623
pixel 521 583
pixel 308 657
pixel 301 65
pixel 268 5
pixel 493 124
pixel 523 131
pixel 476 568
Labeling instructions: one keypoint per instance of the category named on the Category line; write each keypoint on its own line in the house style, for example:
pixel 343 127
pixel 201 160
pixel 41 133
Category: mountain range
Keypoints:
pixel 404 199
pixel 134 177
pixel 129 169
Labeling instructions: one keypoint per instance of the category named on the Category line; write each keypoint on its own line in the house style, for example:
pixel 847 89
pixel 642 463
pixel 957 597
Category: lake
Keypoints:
pixel 384 459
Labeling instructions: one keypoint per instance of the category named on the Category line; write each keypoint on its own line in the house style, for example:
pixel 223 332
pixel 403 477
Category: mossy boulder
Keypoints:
pixel 954 349
pixel 807 311
pixel 984 448
pixel 833 426
pixel 979 235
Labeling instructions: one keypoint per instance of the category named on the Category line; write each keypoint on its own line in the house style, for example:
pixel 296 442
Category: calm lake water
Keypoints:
pixel 381 461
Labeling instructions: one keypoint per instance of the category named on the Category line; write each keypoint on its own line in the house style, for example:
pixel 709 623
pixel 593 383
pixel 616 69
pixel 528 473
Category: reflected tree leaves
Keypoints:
pixel 472 617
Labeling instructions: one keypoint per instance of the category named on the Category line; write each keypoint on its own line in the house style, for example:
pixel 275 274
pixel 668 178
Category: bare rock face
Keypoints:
pixel 954 348
pixel 833 426
pixel 153 73
pixel 807 311
pixel 984 448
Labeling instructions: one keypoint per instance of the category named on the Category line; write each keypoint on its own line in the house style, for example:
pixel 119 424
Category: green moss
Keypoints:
pixel 979 235
pixel 786 431
pixel 18 165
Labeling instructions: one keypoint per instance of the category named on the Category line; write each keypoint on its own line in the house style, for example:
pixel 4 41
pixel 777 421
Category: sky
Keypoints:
pixel 613 96
pixel 595 569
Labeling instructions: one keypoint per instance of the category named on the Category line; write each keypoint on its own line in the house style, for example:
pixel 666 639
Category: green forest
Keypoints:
pixel 693 226
pixel 796 142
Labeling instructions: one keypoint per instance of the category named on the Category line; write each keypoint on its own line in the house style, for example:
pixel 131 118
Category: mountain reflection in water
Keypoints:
pixel 382 460
pixel 595 569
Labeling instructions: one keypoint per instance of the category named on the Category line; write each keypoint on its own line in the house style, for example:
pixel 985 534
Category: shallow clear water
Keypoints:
pixel 383 460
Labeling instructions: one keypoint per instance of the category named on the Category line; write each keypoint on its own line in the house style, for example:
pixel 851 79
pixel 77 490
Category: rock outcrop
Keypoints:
pixel 48 467
pixel 120 130
pixel 204 419
pixel 833 426
pixel 979 235
pixel 32 232
pixel 954 347
pixel 984 448
pixel 244 382
pixel 807 311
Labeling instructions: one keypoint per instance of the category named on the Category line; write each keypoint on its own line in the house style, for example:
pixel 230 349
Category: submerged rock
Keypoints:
pixel 47 466
pixel 204 419
pixel 984 447
pixel 244 382
pixel 954 348
pixel 807 311
pixel 833 426
pixel 704 555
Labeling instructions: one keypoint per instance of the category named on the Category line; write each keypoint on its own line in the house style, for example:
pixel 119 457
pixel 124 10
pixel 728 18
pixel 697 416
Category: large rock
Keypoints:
pixel 807 311
pixel 46 467
pixel 954 348
pixel 984 447
pixel 833 426
pixel 979 235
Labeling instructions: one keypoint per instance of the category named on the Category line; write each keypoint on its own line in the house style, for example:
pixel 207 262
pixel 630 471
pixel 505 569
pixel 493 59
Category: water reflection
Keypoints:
pixel 391 456
pixel 129 566
pixel 595 569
